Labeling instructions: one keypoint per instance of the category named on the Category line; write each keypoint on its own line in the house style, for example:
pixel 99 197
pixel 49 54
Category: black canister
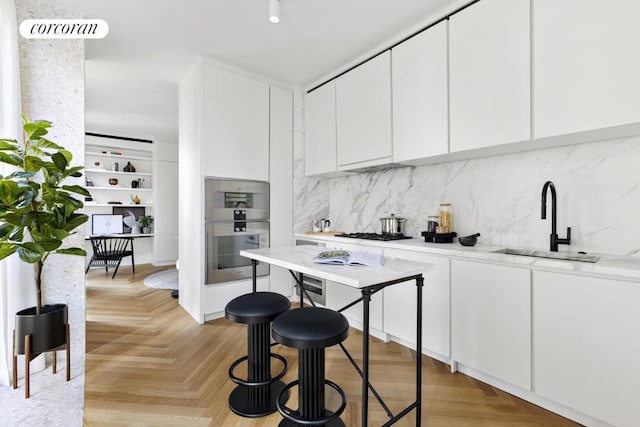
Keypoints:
pixel 432 223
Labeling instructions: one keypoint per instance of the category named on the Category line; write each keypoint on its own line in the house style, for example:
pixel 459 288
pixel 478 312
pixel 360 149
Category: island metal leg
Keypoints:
pixel 419 285
pixel 366 299
pixel 254 276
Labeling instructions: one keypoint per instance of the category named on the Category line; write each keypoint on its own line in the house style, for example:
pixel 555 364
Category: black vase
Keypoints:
pixel 48 329
pixel 134 183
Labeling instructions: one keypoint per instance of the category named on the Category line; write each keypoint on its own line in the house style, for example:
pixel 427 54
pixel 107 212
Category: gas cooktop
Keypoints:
pixel 374 236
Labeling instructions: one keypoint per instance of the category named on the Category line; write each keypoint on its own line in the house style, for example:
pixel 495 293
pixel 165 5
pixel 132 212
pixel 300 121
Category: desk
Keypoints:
pixel 369 280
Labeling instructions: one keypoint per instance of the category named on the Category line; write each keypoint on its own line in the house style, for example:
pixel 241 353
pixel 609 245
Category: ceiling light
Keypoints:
pixel 274 11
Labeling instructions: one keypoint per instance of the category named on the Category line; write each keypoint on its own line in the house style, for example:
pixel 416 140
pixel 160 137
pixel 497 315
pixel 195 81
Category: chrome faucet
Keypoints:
pixel 554 240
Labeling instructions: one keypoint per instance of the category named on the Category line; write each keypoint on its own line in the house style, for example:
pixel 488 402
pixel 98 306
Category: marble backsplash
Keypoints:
pixel 598 189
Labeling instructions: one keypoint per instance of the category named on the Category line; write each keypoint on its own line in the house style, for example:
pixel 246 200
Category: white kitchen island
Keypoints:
pixel 369 280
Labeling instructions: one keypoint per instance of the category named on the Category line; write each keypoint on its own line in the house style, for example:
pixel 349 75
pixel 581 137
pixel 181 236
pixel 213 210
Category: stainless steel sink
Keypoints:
pixel 545 254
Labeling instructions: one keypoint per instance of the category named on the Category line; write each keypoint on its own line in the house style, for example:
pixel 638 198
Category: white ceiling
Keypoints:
pixel 132 74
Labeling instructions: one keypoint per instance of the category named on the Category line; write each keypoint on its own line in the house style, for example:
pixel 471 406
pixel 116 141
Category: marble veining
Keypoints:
pixel 500 196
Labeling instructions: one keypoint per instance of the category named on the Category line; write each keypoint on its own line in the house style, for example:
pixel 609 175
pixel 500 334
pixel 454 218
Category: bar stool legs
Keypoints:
pixel 311 330
pixel 255 397
pixel 311 402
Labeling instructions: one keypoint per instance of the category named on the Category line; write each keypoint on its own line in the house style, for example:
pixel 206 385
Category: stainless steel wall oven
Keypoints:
pixel 236 218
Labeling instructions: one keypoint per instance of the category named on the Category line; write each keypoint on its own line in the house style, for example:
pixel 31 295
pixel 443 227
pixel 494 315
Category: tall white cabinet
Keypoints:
pixel 233 124
pixel 236 125
pixel 420 95
pixel 585 65
pixel 490 76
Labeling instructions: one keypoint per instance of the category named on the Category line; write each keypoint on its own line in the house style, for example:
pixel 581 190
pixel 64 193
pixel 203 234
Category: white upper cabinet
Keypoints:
pixel 363 110
pixel 235 125
pixel 420 96
pixel 320 130
pixel 490 76
pixel 585 65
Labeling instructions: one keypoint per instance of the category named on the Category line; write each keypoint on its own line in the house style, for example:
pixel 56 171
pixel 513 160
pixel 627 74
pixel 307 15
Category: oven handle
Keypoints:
pixel 227 221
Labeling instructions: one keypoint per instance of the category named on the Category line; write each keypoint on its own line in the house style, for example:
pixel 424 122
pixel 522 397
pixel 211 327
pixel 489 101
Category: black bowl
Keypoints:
pixel 469 240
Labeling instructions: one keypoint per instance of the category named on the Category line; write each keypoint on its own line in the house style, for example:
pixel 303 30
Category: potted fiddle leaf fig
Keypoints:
pixel 37 213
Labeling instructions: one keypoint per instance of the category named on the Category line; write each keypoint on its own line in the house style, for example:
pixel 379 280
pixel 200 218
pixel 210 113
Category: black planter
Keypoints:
pixel 47 329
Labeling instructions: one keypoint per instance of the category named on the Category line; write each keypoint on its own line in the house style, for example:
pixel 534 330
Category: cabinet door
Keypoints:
pixel 236 126
pixel 587 345
pixel 400 304
pixel 320 130
pixel 281 180
pixel 165 227
pixel 363 109
pixel 585 65
pixel 338 296
pixel 490 77
pixel 420 95
pixel 491 320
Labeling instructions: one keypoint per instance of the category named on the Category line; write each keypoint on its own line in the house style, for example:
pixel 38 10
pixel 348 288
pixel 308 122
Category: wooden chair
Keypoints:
pixel 108 251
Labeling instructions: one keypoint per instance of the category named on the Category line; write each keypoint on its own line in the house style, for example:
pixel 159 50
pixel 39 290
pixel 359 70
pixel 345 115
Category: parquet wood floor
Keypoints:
pixel 150 364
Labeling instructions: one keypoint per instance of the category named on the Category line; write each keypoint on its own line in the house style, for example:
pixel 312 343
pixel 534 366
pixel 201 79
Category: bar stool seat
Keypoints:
pixel 310 330
pixel 256 396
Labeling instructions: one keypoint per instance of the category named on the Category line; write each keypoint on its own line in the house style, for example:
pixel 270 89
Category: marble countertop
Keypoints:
pixel 613 266
pixel 300 259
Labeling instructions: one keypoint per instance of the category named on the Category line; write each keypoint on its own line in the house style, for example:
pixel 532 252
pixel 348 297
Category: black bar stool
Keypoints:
pixel 310 330
pixel 256 396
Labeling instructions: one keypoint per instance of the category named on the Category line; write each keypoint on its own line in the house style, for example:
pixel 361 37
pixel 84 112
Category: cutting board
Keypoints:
pixel 324 233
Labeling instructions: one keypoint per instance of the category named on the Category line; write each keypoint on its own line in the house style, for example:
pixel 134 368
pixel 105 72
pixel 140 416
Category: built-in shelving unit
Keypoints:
pixel 103 166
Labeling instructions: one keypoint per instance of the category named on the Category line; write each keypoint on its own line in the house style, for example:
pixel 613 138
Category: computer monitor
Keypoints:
pixel 106 224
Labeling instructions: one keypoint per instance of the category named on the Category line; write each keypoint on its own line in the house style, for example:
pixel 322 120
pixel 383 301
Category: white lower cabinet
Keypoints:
pixel 400 304
pixel 587 345
pixel 338 296
pixel 491 320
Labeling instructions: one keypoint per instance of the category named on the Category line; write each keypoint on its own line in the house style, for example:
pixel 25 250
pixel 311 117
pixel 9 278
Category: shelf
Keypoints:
pixel 89 188
pixel 116 156
pixel 99 205
pixel 104 171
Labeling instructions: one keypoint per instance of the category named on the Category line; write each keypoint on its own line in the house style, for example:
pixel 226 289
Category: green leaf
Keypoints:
pixel 67 155
pixel 60 160
pixel 49 244
pixel 75 221
pixel 45 143
pixel 60 234
pixel 9 144
pixel 6 230
pixel 21 175
pixel 10 159
pixel 72 251
pixel 17 235
pixel 32 163
pixel 77 189
pixel 34 130
pixel 6 249
pixel 30 252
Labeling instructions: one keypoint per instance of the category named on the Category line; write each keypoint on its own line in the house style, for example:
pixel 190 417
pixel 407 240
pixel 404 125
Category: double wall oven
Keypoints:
pixel 236 219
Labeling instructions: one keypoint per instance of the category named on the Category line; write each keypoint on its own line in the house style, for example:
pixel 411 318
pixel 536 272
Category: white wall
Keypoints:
pixel 598 189
pixel 52 74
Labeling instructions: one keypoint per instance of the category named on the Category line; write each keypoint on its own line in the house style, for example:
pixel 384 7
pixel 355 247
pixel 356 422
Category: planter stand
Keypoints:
pixel 28 357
